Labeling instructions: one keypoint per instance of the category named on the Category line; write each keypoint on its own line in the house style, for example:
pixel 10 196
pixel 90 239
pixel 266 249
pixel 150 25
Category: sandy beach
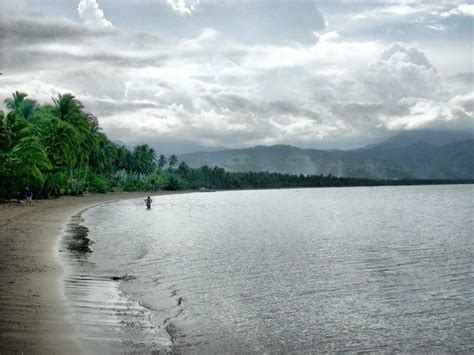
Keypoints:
pixel 33 314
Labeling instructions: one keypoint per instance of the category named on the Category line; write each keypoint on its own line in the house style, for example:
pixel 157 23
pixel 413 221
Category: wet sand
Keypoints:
pixel 34 316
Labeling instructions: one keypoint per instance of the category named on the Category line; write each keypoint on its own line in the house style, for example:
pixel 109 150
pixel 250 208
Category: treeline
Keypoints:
pixel 219 178
pixel 59 148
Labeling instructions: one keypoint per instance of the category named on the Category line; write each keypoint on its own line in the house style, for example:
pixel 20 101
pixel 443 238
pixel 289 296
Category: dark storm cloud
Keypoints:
pixel 34 30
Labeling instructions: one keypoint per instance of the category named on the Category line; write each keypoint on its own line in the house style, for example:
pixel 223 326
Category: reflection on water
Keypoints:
pixel 349 269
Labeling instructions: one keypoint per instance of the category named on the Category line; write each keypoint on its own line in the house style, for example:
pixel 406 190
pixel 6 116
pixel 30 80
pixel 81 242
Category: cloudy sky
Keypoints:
pixel 188 74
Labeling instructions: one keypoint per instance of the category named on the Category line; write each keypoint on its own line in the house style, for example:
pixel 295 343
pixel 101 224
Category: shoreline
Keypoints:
pixel 106 318
pixel 34 315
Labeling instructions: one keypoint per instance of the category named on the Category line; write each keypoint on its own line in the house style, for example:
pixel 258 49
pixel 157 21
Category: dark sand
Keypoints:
pixel 34 316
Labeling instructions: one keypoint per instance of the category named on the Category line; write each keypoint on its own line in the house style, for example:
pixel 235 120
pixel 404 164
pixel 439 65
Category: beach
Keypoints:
pixel 34 316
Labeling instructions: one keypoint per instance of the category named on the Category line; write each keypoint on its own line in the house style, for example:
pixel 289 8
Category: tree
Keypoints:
pixel 173 184
pixel 67 108
pixel 61 140
pixel 144 159
pixel 124 160
pixel 22 156
pixel 103 158
pixel 15 102
pixel 162 161
pixel 19 103
pixel 172 161
pixel 183 169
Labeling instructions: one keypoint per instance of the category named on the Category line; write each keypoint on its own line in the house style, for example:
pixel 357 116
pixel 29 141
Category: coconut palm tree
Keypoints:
pixel 144 159
pixel 61 140
pixel 25 107
pixel 173 161
pixel 15 102
pixel 124 160
pixel 162 161
pixel 22 156
pixel 103 158
pixel 68 109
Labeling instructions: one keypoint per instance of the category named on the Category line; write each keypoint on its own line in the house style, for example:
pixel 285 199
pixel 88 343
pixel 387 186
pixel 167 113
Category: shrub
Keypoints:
pixel 98 183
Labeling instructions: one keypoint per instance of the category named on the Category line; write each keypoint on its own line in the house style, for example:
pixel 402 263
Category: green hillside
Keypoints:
pixel 404 156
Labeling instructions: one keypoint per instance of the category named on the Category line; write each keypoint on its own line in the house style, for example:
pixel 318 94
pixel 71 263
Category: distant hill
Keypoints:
pixel 433 137
pixel 408 155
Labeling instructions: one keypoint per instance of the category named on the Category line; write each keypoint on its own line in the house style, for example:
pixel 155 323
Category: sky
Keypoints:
pixel 186 75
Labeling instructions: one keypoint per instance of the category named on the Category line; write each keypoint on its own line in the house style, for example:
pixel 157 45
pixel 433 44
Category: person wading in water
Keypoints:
pixel 148 202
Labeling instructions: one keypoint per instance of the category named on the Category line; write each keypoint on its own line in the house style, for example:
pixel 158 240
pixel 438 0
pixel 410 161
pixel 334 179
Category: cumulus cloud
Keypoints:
pixel 466 9
pixel 459 10
pixel 92 15
pixel 457 113
pixel 399 53
pixel 184 7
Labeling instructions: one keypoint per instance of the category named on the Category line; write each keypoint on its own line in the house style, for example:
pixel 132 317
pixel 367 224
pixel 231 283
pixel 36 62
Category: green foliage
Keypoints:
pixel 21 105
pixel 162 161
pixel 144 159
pixel 172 161
pixel 173 184
pixel 98 183
pixel 23 158
pixel 59 148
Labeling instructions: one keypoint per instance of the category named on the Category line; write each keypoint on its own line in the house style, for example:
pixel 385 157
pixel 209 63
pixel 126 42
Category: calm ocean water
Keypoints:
pixel 331 269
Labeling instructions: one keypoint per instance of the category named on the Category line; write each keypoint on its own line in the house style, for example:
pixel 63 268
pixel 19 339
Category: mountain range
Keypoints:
pixel 406 155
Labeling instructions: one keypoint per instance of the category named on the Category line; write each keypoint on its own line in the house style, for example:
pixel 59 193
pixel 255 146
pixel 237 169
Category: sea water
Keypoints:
pixel 380 269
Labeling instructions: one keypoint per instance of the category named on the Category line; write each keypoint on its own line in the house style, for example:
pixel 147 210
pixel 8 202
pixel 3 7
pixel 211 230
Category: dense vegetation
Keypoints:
pixel 59 148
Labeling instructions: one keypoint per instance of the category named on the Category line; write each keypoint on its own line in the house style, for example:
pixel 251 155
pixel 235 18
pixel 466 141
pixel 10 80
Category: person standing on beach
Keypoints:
pixel 29 195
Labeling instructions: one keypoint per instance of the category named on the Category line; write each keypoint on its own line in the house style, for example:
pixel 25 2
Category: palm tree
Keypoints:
pixel 144 159
pixel 162 162
pixel 68 109
pixel 183 169
pixel 22 156
pixel 61 140
pixel 15 102
pixel 25 107
pixel 173 161
pixel 104 157
pixel 124 160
